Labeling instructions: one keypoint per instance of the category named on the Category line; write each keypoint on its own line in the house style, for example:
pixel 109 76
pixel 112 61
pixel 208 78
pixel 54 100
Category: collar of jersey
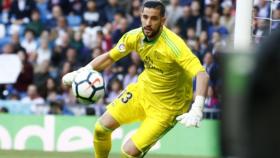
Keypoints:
pixel 146 40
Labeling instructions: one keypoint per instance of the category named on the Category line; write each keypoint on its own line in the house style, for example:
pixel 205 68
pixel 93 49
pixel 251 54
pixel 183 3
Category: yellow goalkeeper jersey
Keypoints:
pixel 169 67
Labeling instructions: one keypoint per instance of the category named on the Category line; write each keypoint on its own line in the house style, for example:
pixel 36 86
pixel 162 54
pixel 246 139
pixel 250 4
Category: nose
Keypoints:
pixel 148 22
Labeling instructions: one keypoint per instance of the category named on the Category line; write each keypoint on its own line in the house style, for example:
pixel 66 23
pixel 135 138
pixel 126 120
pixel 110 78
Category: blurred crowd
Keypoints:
pixel 54 37
pixel 266 18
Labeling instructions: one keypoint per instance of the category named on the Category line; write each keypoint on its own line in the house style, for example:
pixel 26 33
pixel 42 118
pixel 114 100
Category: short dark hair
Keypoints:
pixel 155 4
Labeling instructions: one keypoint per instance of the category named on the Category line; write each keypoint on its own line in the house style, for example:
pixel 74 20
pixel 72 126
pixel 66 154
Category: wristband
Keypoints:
pixel 88 67
pixel 199 102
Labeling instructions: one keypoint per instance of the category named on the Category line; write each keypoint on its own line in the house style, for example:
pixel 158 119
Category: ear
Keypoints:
pixel 163 19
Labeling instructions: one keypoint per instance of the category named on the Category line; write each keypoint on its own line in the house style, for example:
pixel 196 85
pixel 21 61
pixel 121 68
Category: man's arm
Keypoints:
pixel 98 64
pixel 202 79
pixel 195 115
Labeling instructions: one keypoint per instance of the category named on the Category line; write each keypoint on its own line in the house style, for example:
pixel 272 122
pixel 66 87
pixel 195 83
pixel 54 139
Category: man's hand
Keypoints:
pixel 195 115
pixel 68 78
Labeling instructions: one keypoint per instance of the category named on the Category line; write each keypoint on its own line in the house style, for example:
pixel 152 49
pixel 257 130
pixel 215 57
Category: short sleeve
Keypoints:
pixel 188 61
pixel 125 45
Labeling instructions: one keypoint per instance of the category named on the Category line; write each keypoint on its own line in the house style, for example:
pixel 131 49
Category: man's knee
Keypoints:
pixel 100 130
pixel 106 124
pixel 130 151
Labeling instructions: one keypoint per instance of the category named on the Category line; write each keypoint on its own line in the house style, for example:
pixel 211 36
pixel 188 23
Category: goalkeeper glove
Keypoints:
pixel 68 78
pixel 194 116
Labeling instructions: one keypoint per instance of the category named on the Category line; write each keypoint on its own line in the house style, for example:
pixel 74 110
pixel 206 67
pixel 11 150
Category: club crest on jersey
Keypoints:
pixel 121 48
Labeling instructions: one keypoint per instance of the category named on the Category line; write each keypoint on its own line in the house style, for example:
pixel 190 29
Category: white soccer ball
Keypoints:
pixel 88 86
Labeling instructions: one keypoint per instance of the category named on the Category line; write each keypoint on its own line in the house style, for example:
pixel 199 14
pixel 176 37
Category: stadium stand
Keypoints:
pixel 53 38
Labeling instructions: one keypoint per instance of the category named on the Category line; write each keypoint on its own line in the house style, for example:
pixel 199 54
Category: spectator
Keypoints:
pixel 107 31
pixel 15 41
pixel 211 100
pixel 21 11
pixel 76 41
pixel 104 41
pixel 276 16
pixel 92 17
pixel 43 52
pixel 90 37
pixel 35 25
pixel 197 21
pixel 77 7
pixel 115 90
pixel 217 6
pixel 216 43
pixel 127 4
pixel 118 16
pixel 5 7
pixel 196 50
pixel 61 31
pixel 67 95
pixel 174 11
pixel 227 19
pixel 121 30
pixel 203 42
pixel 209 10
pixel 33 98
pixel 111 9
pixel 135 12
pixel 74 21
pixel 52 18
pixel 41 76
pixel 101 41
pixel 264 8
pixel 25 77
pixel 184 22
pixel 262 29
pixel 57 56
pixel 50 89
pixel 63 4
pixel 58 107
pixel 176 29
pixel 255 19
pixel 211 67
pixel 73 58
pixel 30 45
pixel 217 27
pixel 191 37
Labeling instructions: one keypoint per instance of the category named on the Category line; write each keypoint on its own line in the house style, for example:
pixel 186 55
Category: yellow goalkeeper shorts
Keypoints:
pixel 131 106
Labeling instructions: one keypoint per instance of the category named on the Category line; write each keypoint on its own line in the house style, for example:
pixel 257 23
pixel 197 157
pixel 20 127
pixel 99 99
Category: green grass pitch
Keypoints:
pixel 40 154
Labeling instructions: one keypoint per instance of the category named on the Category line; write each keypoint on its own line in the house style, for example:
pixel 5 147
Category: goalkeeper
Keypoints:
pixel 163 92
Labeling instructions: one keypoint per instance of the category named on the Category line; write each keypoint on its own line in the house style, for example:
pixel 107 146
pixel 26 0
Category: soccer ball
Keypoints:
pixel 88 86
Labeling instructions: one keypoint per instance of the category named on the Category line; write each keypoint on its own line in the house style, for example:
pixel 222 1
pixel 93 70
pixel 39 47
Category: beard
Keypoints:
pixel 149 32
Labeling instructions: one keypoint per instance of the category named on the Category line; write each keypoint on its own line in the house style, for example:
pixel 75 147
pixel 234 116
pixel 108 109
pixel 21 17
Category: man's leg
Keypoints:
pixel 150 131
pixel 124 109
pixel 129 150
pixel 102 135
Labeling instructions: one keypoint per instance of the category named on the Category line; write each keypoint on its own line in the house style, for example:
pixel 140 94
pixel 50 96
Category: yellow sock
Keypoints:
pixel 102 141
